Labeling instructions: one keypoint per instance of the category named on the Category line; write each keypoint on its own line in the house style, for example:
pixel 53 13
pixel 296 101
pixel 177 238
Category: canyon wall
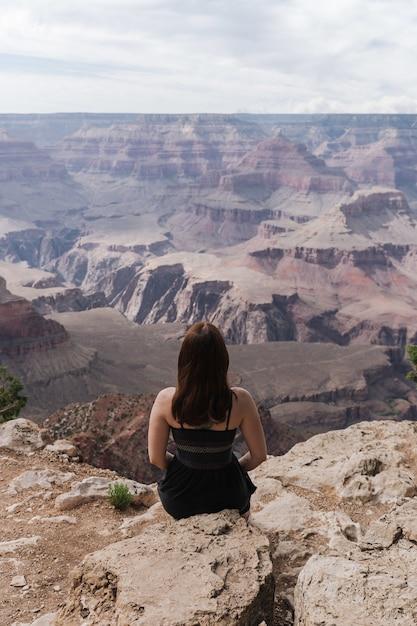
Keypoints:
pixel 253 223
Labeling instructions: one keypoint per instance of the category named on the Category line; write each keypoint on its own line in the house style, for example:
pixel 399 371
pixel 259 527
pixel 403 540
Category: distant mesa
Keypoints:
pixel 370 217
pixel 278 162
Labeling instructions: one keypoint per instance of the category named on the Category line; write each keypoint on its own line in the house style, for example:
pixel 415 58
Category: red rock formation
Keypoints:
pixel 110 432
pixel 22 329
pixel 279 162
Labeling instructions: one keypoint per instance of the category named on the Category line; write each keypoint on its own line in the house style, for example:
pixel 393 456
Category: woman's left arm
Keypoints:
pixel 158 433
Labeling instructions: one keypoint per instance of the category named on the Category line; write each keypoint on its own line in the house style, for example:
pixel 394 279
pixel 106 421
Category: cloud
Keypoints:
pixel 214 56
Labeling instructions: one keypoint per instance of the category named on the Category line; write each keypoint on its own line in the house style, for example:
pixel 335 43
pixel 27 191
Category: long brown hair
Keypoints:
pixel 203 391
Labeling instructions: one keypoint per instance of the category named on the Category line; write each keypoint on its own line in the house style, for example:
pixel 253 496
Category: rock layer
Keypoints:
pixel 161 147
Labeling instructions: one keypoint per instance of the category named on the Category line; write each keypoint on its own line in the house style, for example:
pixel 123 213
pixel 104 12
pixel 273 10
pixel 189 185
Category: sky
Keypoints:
pixel 214 56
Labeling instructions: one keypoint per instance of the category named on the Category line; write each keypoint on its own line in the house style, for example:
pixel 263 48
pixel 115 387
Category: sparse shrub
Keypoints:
pixel 11 400
pixel 120 496
pixel 412 356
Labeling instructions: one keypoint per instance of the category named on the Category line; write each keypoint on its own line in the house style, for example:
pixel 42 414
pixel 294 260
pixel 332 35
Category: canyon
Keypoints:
pixel 259 223
pixel 119 231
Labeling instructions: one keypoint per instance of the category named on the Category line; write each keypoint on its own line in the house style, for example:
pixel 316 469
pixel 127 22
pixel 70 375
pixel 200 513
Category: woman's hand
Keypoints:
pixel 168 459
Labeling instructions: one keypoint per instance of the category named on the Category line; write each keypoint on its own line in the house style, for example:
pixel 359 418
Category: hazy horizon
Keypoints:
pixel 237 113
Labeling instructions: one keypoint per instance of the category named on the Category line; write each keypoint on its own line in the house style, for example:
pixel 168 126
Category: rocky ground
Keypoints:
pixel 40 540
pixel 331 540
pixel 339 511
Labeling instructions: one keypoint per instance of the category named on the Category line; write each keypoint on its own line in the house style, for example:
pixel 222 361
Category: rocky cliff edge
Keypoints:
pixel 332 539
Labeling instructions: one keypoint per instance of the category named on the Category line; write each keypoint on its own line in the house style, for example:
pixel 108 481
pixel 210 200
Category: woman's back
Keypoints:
pixel 232 419
pixel 205 448
pixel 204 476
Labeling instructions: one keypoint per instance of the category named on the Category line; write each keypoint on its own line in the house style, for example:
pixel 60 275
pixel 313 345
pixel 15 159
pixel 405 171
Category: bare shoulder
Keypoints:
pixel 246 404
pixel 166 394
pixel 161 407
pixel 168 391
pixel 242 394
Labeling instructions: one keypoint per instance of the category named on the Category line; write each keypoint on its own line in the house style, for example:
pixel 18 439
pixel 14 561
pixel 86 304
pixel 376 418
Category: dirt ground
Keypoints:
pixel 62 545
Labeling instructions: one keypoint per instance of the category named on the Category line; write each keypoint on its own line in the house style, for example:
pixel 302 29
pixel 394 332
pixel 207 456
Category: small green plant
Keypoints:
pixel 11 400
pixel 412 357
pixel 120 496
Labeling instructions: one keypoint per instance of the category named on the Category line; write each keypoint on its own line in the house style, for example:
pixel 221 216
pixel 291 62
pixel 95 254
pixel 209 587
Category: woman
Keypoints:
pixel 204 413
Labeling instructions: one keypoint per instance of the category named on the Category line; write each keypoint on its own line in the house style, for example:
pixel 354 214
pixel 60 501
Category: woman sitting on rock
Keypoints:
pixel 204 413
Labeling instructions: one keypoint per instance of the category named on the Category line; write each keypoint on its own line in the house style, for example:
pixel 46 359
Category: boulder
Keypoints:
pixel 62 447
pixel 376 475
pixel 367 462
pixel 326 495
pixel 377 588
pixel 21 434
pixel 97 488
pixel 18 581
pixel 43 478
pixel 132 525
pixel 206 570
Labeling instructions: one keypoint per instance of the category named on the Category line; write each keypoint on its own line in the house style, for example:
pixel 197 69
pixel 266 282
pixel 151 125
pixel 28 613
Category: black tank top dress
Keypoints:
pixel 204 476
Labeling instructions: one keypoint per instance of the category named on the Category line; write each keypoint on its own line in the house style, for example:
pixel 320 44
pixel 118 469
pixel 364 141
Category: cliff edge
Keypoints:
pixel 332 539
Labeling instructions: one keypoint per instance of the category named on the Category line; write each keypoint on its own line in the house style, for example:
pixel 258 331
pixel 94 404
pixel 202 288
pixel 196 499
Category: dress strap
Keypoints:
pixel 230 410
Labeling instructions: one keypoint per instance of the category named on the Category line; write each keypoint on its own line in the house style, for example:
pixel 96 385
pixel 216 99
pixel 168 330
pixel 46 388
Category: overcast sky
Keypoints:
pixel 284 56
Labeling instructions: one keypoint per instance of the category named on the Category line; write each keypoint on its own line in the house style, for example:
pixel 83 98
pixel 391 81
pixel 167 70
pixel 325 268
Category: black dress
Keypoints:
pixel 204 476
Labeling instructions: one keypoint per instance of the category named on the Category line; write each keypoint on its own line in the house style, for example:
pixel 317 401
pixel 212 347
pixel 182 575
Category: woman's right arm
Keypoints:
pixel 158 432
pixel 252 431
